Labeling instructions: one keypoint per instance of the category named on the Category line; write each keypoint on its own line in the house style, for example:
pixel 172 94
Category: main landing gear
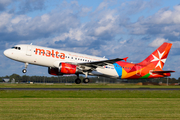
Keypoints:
pixel 78 80
pixel 86 80
pixel 25 70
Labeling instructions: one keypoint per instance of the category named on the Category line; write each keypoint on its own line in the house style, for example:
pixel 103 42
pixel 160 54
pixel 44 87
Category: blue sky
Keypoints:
pixel 111 28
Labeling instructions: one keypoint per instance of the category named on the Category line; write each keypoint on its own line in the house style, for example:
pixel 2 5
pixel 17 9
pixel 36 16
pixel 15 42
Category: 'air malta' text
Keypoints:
pixel 48 53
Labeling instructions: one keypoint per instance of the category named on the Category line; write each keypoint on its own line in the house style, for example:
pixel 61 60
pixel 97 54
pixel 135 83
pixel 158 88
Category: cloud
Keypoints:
pixel 163 24
pixel 136 6
pixel 4 4
pixel 102 5
pixel 157 42
pixel 26 6
pixel 166 16
pixel 4 20
pixel 22 6
pixel 75 34
pixel 23 27
pixel 176 44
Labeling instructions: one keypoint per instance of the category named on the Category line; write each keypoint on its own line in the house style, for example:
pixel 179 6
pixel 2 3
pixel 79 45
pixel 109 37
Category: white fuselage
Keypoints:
pixel 49 57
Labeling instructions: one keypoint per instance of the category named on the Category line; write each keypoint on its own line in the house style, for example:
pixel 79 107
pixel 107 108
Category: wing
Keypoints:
pixel 89 66
pixel 100 63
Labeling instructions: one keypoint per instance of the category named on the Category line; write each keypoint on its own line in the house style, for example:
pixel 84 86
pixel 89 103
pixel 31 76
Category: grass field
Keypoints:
pixel 90 109
pixel 82 86
pixel 89 105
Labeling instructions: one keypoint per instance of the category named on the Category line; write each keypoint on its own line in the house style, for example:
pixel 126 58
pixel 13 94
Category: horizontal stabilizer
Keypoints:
pixel 125 59
pixel 163 71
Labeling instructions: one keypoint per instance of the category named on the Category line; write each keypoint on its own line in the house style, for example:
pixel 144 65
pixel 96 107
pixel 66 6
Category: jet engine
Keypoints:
pixel 54 71
pixel 64 68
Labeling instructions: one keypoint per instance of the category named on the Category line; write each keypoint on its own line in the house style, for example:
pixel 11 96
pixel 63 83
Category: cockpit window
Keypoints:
pixel 18 48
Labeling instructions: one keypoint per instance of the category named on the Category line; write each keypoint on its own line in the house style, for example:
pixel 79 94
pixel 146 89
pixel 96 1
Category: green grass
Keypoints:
pixel 82 86
pixel 90 109
pixel 89 105
pixel 89 94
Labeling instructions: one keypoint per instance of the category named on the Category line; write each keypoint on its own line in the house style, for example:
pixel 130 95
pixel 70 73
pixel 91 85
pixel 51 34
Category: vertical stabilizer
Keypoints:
pixel 158 57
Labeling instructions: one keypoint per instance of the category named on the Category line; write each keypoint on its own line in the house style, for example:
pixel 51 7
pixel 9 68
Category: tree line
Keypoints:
pixel 71 79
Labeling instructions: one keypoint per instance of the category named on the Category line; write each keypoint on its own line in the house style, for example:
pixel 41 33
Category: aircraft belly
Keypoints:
pixel 111 72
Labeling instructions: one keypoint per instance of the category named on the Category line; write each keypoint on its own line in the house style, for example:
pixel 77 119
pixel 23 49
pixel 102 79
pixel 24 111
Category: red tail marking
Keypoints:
pixel 158 57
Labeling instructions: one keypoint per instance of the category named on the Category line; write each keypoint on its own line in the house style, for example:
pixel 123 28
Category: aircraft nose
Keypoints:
pixel 6 53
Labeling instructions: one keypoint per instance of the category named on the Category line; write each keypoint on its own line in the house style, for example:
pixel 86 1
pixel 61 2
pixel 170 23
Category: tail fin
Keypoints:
pixel 158 57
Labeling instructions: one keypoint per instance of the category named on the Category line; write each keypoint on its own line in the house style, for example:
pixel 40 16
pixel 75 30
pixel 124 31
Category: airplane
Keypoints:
pixel 60 62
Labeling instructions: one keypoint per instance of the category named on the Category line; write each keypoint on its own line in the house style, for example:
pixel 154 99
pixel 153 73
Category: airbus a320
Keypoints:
pixel 60 62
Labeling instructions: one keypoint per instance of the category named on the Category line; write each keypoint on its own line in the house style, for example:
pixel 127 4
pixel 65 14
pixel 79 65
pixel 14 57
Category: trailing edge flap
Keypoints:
pixel 161 72
pixel 100 63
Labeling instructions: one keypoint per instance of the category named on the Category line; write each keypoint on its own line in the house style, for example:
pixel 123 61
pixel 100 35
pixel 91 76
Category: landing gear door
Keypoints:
pixel 29 50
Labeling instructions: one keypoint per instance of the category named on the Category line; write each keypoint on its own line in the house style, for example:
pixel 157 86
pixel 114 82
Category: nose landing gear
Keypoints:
pixel 24 70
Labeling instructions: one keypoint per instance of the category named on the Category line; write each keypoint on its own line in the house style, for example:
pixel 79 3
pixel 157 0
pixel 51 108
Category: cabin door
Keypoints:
pixel 29 50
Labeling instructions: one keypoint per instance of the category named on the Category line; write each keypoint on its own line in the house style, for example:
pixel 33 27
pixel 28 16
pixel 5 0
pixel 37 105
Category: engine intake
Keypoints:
pixel 64 68
pixel 54 71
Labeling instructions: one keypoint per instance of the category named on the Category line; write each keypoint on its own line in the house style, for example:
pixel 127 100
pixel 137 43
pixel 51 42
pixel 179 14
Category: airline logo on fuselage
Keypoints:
pixel 50 53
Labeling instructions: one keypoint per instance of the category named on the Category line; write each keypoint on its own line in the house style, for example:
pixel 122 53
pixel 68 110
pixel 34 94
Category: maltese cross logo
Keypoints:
pixel 160 60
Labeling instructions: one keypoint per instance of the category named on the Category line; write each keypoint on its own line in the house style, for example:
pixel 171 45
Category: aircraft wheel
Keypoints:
pixel 86 80
pixel 24 70
pixel 78 81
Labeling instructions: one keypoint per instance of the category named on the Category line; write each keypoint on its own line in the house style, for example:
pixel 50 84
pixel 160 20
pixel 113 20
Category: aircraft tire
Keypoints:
pixel 78 81
pixel 86 80
pixel 24 70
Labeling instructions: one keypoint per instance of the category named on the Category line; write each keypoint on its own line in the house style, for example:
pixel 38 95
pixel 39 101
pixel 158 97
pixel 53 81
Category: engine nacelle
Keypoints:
pixel 64 68
pixel 54 71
